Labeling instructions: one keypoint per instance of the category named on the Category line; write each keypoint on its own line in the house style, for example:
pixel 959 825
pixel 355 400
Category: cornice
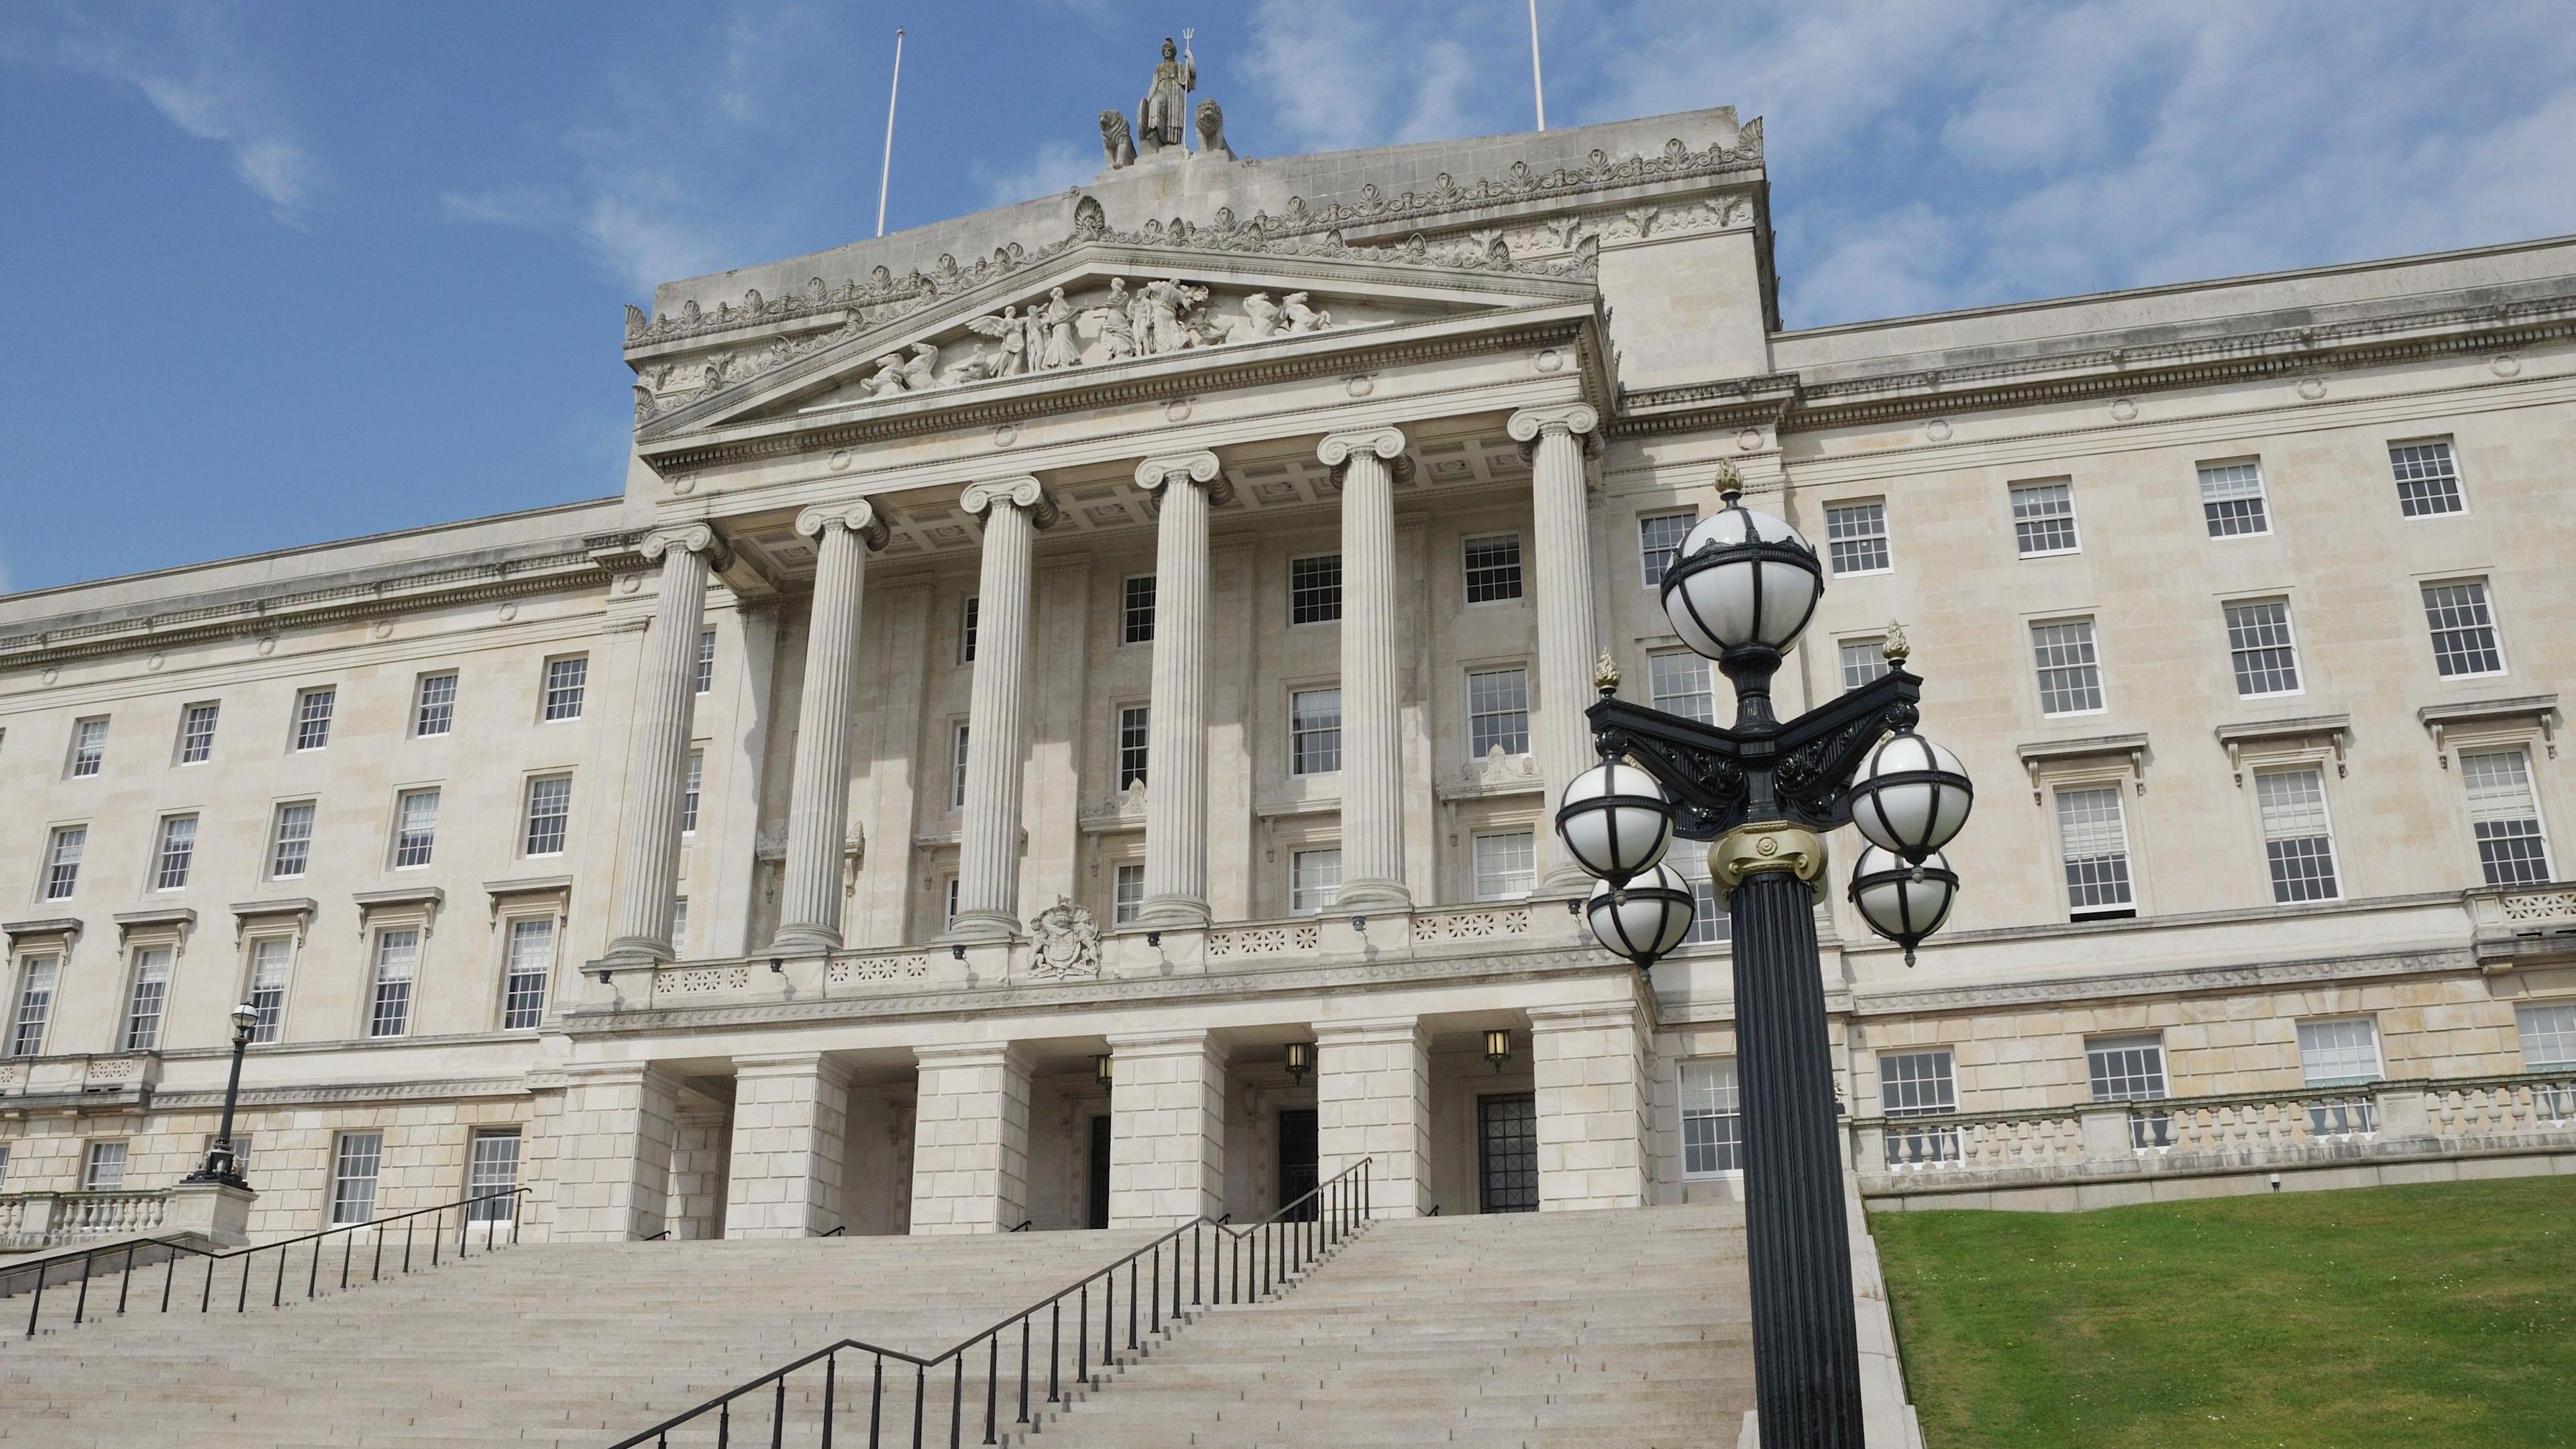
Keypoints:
pixel 336 1092
pixel 2171 981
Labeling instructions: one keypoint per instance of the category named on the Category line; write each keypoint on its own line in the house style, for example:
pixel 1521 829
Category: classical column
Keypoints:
pixel 649 861
pixel 988 837
pixel 818 807
pixel 1556 438
pixel 1166 1128
pixel 1184 486
pixel 790 1119
pixel 1590 1067
pixel 1365 465
pixel 970 1140
pixel 1373 1100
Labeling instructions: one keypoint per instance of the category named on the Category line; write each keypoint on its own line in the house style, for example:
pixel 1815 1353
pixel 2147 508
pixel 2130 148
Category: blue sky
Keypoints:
pixel 286 272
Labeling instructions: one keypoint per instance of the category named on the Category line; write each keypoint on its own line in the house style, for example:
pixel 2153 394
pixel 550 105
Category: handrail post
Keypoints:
pixel 1024 1368
pixel 348 1245
pixel 920 1392
pixel 80 1305
pixel 125 1283
pixel 1055 1350
pixel 1156 1316
pixel 313 1275
pixel 1196 1260
pixel 1082 1336
pixel 956 1398
pixel 992 1380
pixel 407 1227
pixel 277 1291
pixel 777 1415
pixel 876 1400
pixel 173 1261
pixel 831 1365
pixel 38 1305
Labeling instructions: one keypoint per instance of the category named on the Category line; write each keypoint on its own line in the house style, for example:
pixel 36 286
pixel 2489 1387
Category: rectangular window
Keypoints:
pixel 313 718
pixel 2132 1069
pixel 680 924
pixel 1919 1084
pixel 433 705
pixel 177 851
pixel 415 828
pixel 104 1169
pixel 1505 865
pixel 1314 879
pixel 2464 632
pixel 1659 542
pixel 2231 499
pixel 89 747
pixel 1497 712
pixel 1126 892
pixel 268 957
pixel 1710 924
pixel 969 614
pixel 2259 646
pixel 1863 660
pixel 492 1176
pixel 705 679
pixel 1856 538
pixel 2336 1054
pixel 2043 519
pixel 549 814
pixel 197 733
pixel 1493 568
pixel 2548 1035
pixel 1712 1118
pixel 1314 731
pixel 150 996
pixel 951 918
pixel 2070 672
pixel 566 681
pixel 389 1002
pixel 63 862
pixel 35 1005
pixel 240 1145
pixel 1135 742
pixel 957 770
pixel 291 840
pixel 355 1162
pixel 1136 611
pixel 1677 681
pixel 689 792
pixel 2505 816
pixel 2297 841
pixel 2093 842
pixel 531 963
pixel 2428 479
pixel 1315 589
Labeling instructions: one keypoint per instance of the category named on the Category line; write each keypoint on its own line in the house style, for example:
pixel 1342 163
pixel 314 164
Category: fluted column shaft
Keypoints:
pixel 1176 733
pixel 1560 516
pixel 1372 742
pixel 988 840
pixel 809 907
pixel 649 862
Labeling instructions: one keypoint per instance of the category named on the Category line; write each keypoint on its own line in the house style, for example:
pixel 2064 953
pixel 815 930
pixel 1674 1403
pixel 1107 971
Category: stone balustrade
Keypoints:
pixel 30 1220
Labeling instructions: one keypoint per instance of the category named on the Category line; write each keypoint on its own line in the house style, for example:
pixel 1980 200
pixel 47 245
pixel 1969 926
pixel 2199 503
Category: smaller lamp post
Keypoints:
pixel 1100 1067
pixel 221 1165
pixel 1498 1047
pixel 1300 1059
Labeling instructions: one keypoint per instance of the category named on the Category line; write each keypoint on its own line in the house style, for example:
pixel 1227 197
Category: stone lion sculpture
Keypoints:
pixel 1212 131
pixel 1116 140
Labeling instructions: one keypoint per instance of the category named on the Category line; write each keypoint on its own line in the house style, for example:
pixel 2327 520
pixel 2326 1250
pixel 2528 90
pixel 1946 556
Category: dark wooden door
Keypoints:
pixel 1297 1159
pixel 1507 1153
pixel 1096 1213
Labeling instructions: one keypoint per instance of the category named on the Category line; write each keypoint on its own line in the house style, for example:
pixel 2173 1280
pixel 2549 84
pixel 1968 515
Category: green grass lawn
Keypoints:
pixel 2442 1314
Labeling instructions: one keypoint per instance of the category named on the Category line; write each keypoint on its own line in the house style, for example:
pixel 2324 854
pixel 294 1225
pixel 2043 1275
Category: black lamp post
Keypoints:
pixel 221 1165
pixel 1740 592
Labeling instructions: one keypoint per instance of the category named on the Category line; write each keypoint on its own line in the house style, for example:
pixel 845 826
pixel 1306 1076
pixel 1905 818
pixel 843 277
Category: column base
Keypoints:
pixel 1173 913
pixel 804 940
pixel 216 1211
pixel 639 951
pixel 983 927
pixel 1359 897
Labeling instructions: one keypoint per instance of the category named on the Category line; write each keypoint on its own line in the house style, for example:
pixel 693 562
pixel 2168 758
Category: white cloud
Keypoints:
pixel 1057 165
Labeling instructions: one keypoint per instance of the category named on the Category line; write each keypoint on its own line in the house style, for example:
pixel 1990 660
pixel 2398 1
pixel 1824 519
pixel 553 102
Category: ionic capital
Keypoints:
pixel 1337 450
pixel 1201 467
pixel 695 538
pixel 1025 494
pixel 1530 424
pixel 858 515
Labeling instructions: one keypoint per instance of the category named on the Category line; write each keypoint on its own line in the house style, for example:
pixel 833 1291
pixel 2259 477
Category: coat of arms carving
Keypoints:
pixel 1067 942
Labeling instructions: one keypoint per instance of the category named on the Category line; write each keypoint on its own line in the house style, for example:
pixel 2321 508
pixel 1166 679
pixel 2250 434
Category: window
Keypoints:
pixel 104 1170
pixel 2464 633
pixel 2093 841
pixel 36 980
pixel 1135 743
pixel 491 1174
pixel 240 1145
pixel 1505 865
pixel 2428 480
pixel 531 962
pixel 2132 1069
pixel 89 747
pixel 1126 892
pixel 197 733
pixel 1863 660
pixel 415 828
pixel 1659 542
pixel 433 705
pixel 2231 499
pixel 1919 1084
pixel 957 770
pixel 549 814
pixel 268 957
pixel 178 850
pixel 1678 682
pixel 1314 879
pixel 2266 659
pixel 2335 1054
pixel 389 1003
pixel 63 862
pixel 291 840
pixel 2512 849
pixel 566 681
pixel 1315 589
pixel 951 918
pixel 4 1163
pixel 1712 1118
pixel 1136 611
pixel 2044 519
pixel 313 718
pixel 1494 568
pixel 2070 673
pixel 1710 924
pixel 151 994
pixel 1314 731
pixel 1856 538
pixel 689 792
pixel 679 923
pixel 1497 712
pixel 705 679
pixel 355 1162
pixel 966 621
pixel 2548 1035
pixel 2297 841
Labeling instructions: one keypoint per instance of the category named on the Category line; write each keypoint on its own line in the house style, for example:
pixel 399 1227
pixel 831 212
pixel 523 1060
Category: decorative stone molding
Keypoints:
pixel 1264 940
pixel 858 515
pixel 1336 450
pixel 2528 712
pixel 2336 729
pixel 1155 474
pixel 421 902
pixel 66 929
pixel 556 887
pixel 2038 758
pixel 697 538
pixel 1026 494
pixel 1494 773
pixel 1477 925
pixel 179 924
pixel 2515 927
pixel 1529 425
pixel 1065 943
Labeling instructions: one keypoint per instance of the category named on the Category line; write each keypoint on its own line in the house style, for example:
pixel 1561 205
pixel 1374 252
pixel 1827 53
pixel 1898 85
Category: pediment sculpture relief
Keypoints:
pixel 1067 943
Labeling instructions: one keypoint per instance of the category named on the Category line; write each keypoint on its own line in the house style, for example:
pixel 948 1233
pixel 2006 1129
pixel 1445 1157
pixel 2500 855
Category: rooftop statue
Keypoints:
pixel 1163 117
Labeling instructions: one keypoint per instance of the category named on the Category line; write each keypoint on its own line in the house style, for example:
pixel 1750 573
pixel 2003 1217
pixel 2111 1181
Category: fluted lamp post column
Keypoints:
pixel 1556 439
pixel 1365 466
pixel 1183 487
pixel 818 802
pixel 222 1163
pixel 649 865
pixel 988 838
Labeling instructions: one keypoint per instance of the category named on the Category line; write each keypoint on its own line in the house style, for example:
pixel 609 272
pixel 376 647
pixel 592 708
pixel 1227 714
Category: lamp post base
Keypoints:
pixel 218 1212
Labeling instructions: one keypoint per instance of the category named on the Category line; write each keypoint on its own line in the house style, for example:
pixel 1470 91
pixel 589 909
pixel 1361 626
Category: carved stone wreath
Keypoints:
pixel 1067 943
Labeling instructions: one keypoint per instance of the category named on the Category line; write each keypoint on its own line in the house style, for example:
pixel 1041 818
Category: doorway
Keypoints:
pixel 1095 1212
pixel 1507 1153
pixel 1297 1160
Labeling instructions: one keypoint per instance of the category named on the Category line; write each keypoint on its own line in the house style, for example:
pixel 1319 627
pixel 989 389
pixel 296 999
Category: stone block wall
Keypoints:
pixel 1373 1100
pixel 1594 1091
pixel 790 1115
pixel 970 1146
pixel 612 1154
pixel 1167 1129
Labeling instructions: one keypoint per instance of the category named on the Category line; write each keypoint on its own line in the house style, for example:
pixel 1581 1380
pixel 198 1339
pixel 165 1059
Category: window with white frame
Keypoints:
pixel 147 999
pixel 1710 924
pixel 1659 542
pixel 968 616
pixel 2231 499
pixel 1856 537
pixel 1919 1084
pixel 1315 589
pixel 2463 628
pixel 389 999
pixel 1135 743
pixel 1314 731
pixel 1505 865
pixel 2093 845
pixel 89 747
pixel 197 733
pixel 950 918
pixel 1136 610
pixel 2070 671
pixel 175 853
pixel 34 1008
pixel 1677 681
pixel 2260 649
pixel 2043 519
pixel 957 769
pixel 313 717
pixel 2428 478
pixel 103 1170
pixel 567 680
pixel 704 680
pixel 2298 841
pixel 4 1164
pixel 680 924
pixel 1314 879
pixel 2504 814
pixel 1497 712
pixel 2336 1054
pixel 433 705
pixel 1126 891
pixel 356 1160
pixel 1712 1118
pixel 531 962
pixel 1493 568
pixel 1863 660
pixel 689 792
pixel 492 1175
pixel 63 861
pixel 2132 1069
pixel 2548 1035
pixel 549 814
pixel 290 840
pixel 269 957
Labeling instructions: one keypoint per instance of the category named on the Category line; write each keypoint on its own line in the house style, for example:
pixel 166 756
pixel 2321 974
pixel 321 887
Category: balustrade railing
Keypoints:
pixel 1005 1375
pixel 47 1219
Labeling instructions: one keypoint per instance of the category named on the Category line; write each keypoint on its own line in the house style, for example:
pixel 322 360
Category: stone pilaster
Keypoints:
pixel 988 843
pixel 1594 1105
pixel 1365 464
pixel 1166 1129
pixel 809 905
pixel 970 1140
pixel 612 1167
pixel 790 1115
pixel 1373 1100
pixel 649 862
pixel 699 1147
pixel 1556 439
pixel 1176 892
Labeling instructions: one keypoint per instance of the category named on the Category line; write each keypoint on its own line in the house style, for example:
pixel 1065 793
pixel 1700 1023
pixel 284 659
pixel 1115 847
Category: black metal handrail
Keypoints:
pixel 284 1248
pixel 1261 1257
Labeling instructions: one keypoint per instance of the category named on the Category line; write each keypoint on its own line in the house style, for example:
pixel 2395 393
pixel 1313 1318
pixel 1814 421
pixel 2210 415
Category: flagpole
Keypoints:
pixel 885 171
pixel 1538 87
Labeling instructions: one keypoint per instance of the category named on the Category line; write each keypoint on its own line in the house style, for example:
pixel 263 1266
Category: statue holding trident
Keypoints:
pixel 1163 117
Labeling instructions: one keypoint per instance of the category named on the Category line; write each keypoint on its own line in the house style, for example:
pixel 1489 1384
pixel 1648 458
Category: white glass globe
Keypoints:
pixel 1614 821
pixel 1758 587
pixel 1643 919
pixel 1911 796
pixel 1903 902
